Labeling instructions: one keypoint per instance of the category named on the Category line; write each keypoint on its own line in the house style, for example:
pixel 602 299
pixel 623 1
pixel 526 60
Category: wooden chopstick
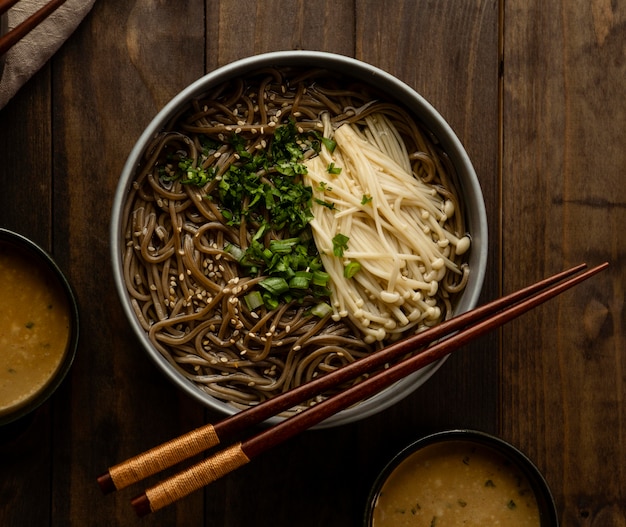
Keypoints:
pixel 20 31
pixel 186 446
pixel 5 5
pixel 238 454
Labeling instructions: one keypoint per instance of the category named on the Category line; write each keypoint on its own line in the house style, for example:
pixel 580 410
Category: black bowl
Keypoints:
pixel 515 461
pixel 16 244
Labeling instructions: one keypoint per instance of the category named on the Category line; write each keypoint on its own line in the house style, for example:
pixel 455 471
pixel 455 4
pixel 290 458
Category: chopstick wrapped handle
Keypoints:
pixel 190 480
pixel 158 458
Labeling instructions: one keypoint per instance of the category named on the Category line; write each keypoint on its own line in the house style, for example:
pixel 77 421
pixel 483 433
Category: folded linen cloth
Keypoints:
pixel 28 55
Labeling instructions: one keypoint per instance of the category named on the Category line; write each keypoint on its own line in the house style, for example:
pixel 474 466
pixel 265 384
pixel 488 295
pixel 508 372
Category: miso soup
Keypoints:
pixel 35 326
pixel 456 483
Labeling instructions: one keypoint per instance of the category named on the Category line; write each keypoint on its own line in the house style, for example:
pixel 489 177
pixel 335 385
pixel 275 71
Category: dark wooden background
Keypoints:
pixel 534 90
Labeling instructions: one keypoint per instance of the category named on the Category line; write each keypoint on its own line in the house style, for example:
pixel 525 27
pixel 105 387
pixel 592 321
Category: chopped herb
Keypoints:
pixel 194 175
pixel 264 188
pixel 323 186
pixel 332 169
pixel 329 144
pixel 340 244
pixel 326 204
pixel 366 199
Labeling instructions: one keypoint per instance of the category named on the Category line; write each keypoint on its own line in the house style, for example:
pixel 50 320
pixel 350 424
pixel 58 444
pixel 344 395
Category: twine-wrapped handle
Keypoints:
pixel 194 478
pixel 159 458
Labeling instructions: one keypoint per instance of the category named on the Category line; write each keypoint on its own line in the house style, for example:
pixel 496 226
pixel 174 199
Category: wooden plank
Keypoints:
pixel 26 207
pixel 27 181
pixel 306 480
pixel 564 202
pixel 275 25
pixel 117 404
pixel 453 64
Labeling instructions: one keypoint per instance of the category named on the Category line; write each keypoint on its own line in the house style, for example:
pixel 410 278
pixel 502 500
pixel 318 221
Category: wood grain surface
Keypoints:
pixel 535 92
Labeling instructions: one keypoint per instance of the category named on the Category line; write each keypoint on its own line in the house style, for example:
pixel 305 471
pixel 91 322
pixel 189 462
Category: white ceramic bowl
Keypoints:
pixel 396 89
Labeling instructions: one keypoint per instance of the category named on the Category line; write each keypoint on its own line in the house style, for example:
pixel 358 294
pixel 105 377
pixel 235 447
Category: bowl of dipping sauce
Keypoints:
pixel 460 478
pixel 38 326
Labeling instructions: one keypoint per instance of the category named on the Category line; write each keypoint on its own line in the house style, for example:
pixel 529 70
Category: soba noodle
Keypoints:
pixel 192 228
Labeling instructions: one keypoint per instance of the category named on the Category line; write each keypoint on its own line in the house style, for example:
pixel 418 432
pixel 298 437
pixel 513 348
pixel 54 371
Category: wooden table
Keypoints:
pixel 534 90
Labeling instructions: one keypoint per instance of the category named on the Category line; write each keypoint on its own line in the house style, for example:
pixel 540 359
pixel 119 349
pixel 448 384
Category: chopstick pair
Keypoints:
pixel 20 31
pixel 465 328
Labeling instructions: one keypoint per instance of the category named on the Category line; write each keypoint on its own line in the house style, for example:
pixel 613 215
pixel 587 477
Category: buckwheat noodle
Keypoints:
pixel 187 290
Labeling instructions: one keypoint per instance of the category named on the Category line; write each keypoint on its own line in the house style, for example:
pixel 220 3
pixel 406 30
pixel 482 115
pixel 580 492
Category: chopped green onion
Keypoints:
pixel 253 300
pixel 235 251
pixel 332 169
pixel 321 310
pixel 320 278
pixel 300 280
pixel 270 301
pixel 366 199
pixel 351 269
pixel 275 285
pixel 283 246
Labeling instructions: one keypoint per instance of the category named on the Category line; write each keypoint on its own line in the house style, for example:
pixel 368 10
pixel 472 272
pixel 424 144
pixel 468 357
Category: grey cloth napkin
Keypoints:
pixel 26 57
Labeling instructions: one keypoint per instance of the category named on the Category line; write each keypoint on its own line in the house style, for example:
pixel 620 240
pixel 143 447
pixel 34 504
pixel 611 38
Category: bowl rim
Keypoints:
pixel 541 489
pixel 359 70
pixel 25 244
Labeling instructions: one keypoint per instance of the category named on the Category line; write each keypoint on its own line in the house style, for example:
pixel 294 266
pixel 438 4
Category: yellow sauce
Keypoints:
pixel 456 483
pixel 34 327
